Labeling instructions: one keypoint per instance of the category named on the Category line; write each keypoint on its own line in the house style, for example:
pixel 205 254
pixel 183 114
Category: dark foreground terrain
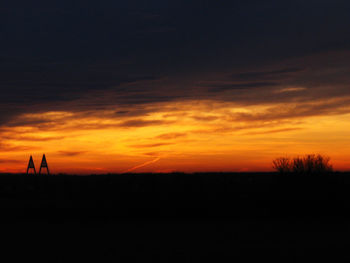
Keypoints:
pixel 176 217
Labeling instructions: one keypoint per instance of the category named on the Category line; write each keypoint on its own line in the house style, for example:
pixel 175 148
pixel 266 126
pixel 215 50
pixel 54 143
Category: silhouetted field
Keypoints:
pixel 179 217
pixel 180 195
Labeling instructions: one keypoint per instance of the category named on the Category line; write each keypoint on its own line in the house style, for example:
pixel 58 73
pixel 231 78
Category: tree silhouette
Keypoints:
pixel 310 164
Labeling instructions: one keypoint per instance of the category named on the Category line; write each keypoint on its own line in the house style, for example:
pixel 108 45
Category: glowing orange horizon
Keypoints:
pixel 188 137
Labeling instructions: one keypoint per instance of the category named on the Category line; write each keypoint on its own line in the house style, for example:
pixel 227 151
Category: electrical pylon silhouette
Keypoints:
pixel 31 165
pixel 44 165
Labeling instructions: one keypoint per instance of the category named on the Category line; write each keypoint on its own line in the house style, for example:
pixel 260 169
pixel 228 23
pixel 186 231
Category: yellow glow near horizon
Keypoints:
pixel 188 136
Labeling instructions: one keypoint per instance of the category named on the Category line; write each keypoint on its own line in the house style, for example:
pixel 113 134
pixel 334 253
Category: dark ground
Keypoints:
pixel 176 217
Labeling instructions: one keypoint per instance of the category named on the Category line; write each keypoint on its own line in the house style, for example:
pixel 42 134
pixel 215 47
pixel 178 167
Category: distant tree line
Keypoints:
pixel 310 164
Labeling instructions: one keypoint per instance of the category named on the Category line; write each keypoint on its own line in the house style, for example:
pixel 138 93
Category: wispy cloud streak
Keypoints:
pixel 142 165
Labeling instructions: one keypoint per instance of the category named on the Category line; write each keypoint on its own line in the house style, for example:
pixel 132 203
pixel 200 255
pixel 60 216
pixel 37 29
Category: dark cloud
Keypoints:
pixel 150 145
pixel 219 86
pixel 301 110
pixel 170 136
pixel 31 138
pixel 28 122
pixel 252 80
pixel 125 55
pixel 260 75
pixel 205 118
pixel 59 83
pixel 142 123
pixel 71 153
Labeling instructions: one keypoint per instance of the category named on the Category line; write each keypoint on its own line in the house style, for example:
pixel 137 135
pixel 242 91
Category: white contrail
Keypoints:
pixel 142 165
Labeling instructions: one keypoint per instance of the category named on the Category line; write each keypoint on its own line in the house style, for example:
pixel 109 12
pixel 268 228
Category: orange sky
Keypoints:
pixel 179 136
pixel 135 86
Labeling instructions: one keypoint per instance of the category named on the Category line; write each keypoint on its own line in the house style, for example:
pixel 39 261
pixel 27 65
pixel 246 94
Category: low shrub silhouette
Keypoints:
pixel 310 164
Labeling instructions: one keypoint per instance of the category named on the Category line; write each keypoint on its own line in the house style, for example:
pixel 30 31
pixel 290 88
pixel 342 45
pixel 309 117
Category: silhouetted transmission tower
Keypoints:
pixel 31 165
pixel 44 165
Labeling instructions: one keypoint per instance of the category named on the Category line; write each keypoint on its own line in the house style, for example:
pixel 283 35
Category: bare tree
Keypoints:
pixel 322 164
pixel 282 165
pixel 308 165
pixel 298 165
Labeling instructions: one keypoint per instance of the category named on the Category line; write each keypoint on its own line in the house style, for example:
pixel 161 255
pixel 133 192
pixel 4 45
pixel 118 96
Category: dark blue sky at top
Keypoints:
pixel 59 51
pixel 181 30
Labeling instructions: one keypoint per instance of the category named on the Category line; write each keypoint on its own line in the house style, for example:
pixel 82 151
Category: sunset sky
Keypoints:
pixel 162 86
